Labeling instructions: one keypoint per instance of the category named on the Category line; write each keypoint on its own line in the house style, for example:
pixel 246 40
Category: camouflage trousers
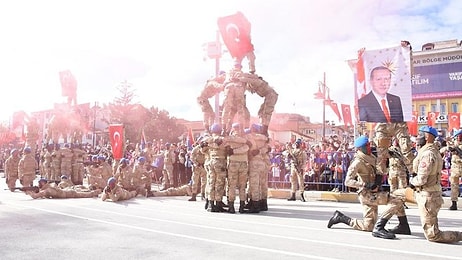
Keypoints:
pixel 429 204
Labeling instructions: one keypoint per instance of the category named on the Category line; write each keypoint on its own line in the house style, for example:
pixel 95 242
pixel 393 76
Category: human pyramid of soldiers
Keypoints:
pixel 231 159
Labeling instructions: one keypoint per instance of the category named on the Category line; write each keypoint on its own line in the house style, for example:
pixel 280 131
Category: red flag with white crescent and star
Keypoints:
pixel 431 118
pixel 412 125
pixel 235 31
pixel 116 136
pixel 346 112
pixel 453 121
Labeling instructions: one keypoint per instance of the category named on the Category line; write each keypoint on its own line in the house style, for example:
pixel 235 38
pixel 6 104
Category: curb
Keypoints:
pixel 350 197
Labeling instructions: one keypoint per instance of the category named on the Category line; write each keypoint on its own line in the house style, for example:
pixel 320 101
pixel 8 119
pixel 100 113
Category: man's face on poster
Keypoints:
pixel 380 81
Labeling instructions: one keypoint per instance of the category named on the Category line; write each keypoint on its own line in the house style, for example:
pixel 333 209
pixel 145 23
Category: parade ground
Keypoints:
pixel 175 228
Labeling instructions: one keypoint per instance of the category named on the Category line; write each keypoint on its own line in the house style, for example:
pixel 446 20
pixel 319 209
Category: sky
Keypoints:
pixel 157 47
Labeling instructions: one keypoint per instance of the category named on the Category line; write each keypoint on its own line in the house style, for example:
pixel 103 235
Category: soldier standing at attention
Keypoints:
pixel 199 175
pixel 298 160
pixel 26 168
pixel 11 169
pixel 456 166
pixel 428 192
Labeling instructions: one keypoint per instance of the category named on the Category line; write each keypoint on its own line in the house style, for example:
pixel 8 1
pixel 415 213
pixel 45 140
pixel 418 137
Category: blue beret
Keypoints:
pixel 456 133
pixel 111 180
pixel 361 141
pixel 429 129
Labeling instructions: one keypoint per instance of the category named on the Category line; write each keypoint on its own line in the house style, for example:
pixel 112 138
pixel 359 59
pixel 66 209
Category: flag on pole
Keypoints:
pixel 235 31
pixel 360 75
pixel 116 137
pixel 431 118
pixel 453 121
pixel 334 107
pixel 412 125
pixel 346 112
pixel 190 139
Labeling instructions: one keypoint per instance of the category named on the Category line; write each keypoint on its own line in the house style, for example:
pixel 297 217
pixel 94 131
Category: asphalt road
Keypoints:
pixel 174 228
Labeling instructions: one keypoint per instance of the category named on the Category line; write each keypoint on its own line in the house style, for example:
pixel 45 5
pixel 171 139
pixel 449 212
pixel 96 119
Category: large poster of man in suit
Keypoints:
pixel 385 94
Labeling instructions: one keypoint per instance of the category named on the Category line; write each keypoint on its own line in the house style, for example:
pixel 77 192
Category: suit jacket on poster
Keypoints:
pixel 371 111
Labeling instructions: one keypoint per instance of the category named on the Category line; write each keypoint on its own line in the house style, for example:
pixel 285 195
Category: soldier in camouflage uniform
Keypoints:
pixel 77 164
pixel 234 101
pixel 169 160
pixel 141 177
pixel 212 88
pixel 362 175
pixel 66 160
pixel 115 192
pixel 55 166
pixel 256 84
pixel 397 171
pixel 384 133
pixel 456 166
pixel 11 169
pixel 237 164
pixel 124 173
pixel 298 158
pixel 184 190
pixel 50 190
pixel 214 148
pixel 258 169
pixel 27 167
pixel 199 175
pixel 428 192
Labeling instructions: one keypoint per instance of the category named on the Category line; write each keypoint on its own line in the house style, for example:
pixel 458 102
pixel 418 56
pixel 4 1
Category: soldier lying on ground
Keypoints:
pixel 50 190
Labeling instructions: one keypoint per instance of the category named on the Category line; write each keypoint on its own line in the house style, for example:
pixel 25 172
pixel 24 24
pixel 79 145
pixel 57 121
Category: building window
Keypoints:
pixel 443 109
pixel 455 107
pixel 433 108
pixel 422 110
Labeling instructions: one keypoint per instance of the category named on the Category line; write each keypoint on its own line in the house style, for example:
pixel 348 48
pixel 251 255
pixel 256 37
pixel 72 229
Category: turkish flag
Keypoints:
pixel 190 139
pixel 346 112
pixel 412 125
pixel 116 136
pixel 235 31
pixel 334 107
pixel 431 118
pixel 360 75
pixel 453 121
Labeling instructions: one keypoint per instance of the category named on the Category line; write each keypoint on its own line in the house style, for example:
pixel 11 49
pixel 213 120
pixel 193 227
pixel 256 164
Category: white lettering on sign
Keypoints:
pixel 455 75
pixel 439 119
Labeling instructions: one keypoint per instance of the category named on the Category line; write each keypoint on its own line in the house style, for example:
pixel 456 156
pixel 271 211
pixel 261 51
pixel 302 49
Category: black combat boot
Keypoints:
pixel 193 197
pixel 264 205
pixel 380 231
pixel 302 196
pixel 453 206
pixel 254 207
pixel 231 207
pixel 222 204
pixel 202 196
pixel 292 198
pixel 241 206
pixel 402 228
pixel 338 217
pixel 217 207
pixel 207 204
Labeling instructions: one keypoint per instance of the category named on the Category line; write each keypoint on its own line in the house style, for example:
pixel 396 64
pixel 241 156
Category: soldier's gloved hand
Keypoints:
pixel 370 186
pixel 204 144
pixel 219 141
pixel 412 175
pixel 411 186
